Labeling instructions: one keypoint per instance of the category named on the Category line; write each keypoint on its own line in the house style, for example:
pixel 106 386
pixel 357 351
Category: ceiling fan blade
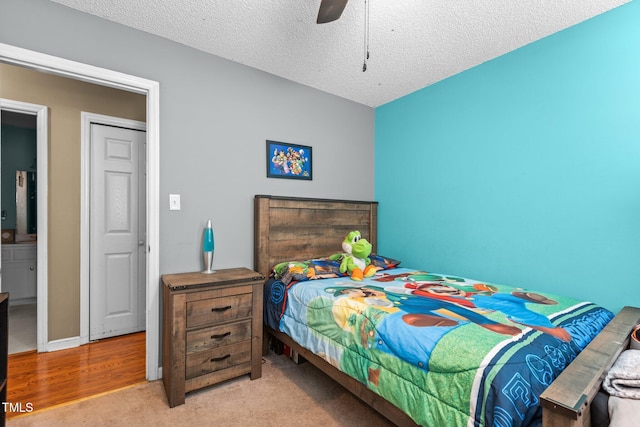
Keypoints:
pixel 330 10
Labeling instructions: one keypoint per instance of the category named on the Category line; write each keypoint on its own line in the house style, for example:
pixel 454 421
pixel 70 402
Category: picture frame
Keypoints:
pixel 290 161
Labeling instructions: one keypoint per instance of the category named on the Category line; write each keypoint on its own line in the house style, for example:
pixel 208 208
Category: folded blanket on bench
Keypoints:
pixel 623 379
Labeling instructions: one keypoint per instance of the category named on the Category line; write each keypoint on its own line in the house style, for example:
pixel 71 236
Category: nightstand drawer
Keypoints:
pixel 217 336
pixel 216 359
pixel 217 310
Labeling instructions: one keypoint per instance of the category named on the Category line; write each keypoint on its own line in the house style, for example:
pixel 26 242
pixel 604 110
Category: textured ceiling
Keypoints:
pixel 412 43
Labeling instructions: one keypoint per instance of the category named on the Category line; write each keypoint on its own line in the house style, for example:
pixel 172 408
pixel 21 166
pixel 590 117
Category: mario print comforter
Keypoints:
pixel 444 349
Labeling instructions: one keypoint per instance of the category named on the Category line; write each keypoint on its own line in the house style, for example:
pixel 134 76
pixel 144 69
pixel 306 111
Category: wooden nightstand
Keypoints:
pixel 212 329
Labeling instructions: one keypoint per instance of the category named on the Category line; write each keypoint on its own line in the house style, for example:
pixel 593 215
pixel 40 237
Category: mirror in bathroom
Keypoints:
pixel 26 203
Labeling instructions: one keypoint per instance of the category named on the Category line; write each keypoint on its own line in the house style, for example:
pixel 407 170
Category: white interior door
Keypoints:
pixel 117 227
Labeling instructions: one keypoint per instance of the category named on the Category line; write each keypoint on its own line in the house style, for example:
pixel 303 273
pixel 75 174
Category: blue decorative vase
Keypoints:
pixel 207 249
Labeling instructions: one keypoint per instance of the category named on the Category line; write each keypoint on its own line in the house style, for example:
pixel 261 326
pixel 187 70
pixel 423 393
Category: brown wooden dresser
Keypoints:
pixel 212 329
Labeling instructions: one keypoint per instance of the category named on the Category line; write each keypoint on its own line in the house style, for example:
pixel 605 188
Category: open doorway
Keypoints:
pixel 26 268
pixel 150 89
pixel 18 143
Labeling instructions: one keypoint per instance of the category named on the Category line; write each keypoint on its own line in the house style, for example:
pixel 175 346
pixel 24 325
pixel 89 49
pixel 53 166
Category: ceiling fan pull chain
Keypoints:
pixel 366 35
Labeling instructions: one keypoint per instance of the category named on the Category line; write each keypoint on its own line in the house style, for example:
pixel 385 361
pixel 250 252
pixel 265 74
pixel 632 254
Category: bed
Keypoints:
pixel 442 380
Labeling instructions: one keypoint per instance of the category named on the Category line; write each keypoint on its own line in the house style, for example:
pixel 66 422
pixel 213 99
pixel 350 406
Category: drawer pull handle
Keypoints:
pixel 220 336
pixel 218 359
pixel 221 308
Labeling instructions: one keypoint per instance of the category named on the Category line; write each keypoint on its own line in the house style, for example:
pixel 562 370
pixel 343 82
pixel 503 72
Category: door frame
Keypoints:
pixel 102 76
pixel 87 119
pixel 42 168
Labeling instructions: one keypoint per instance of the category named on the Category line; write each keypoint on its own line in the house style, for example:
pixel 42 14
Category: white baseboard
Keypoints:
pixel 63 344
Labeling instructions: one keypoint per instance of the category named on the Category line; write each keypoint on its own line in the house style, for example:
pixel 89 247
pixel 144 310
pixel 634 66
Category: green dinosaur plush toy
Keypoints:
pixel 356 262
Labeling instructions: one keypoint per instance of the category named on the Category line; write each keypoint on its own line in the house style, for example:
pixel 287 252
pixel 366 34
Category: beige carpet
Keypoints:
pixel 286 395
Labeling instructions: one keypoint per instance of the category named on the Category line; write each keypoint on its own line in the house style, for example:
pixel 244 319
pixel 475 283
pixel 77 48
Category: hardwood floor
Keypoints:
pixel 44 380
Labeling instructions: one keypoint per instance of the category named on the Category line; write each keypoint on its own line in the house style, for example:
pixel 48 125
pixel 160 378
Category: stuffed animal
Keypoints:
pixel 356 262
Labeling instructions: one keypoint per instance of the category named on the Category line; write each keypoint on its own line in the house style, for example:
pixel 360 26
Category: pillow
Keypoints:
pixel 322 268
pixel 383 263
pixel 300 271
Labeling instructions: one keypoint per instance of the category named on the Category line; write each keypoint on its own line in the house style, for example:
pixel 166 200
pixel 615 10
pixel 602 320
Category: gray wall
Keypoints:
pixel 215 116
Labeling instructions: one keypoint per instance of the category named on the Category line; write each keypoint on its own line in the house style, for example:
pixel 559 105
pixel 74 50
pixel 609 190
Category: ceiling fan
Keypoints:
pixel 330 10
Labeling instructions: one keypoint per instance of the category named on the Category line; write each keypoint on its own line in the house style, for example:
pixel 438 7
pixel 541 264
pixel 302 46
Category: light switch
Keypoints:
pixel 174 202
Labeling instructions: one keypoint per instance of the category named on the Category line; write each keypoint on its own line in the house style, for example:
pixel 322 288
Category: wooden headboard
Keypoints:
pixel 294 228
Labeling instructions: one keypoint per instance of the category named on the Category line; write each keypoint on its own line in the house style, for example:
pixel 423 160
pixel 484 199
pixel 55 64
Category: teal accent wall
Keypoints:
pixel 524 170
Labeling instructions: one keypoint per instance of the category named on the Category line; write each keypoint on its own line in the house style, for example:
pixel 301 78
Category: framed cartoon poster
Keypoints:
pixel 292 161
